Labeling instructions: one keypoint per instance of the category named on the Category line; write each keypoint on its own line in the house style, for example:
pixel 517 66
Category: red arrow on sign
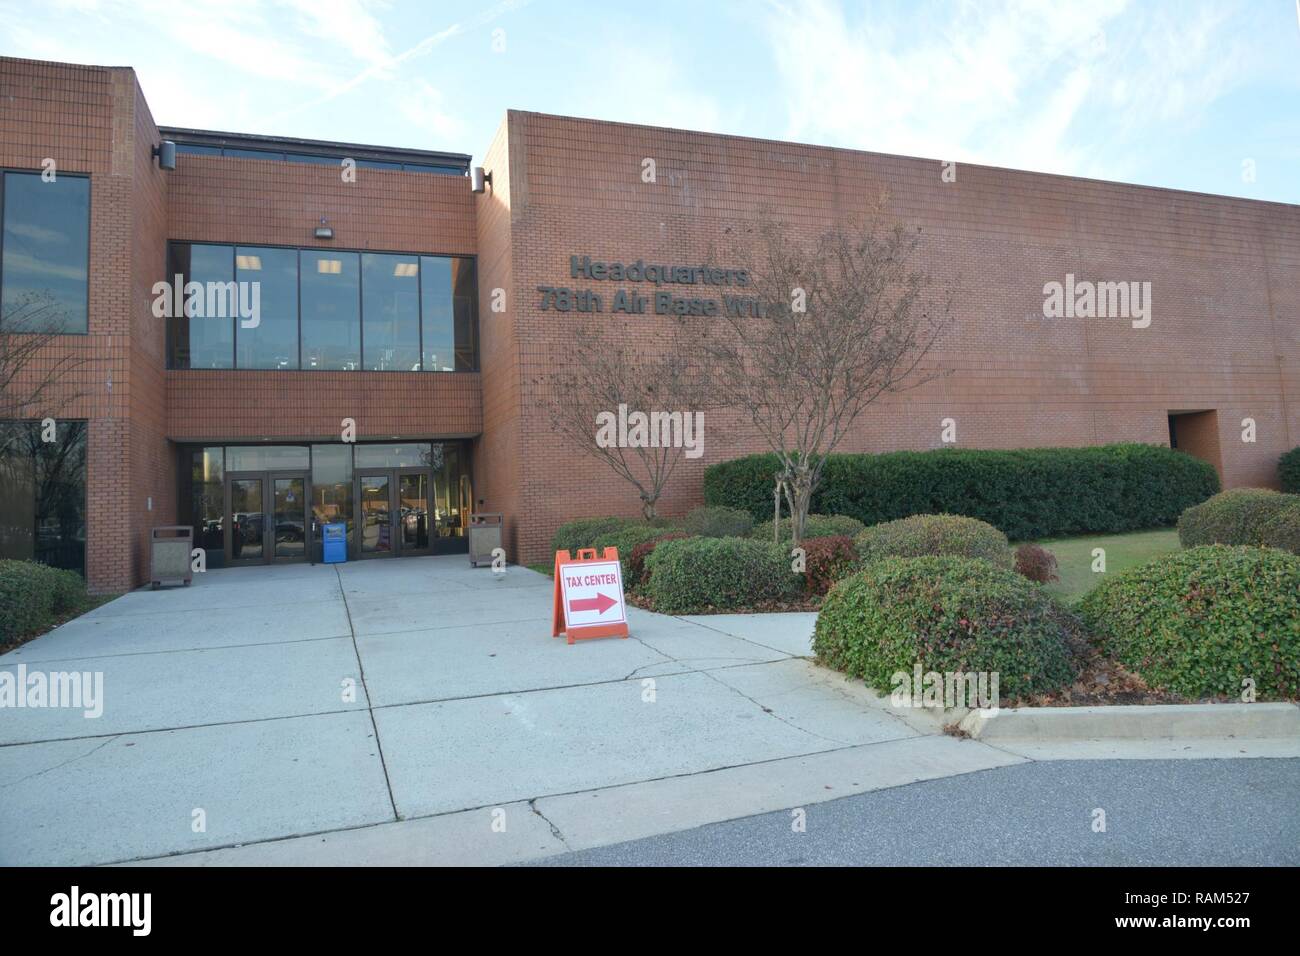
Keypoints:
pixel 600 603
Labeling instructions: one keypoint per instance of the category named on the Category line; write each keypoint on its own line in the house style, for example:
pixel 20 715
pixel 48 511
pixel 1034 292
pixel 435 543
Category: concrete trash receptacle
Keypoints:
pixel 484 537
pixel 169 555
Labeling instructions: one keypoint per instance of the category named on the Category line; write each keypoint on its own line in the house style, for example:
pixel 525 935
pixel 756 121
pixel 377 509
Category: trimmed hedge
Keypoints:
pixel 698 575
pixel 636 571
pixel 626 539
pixel 814 526
pixel 1036 563
pixel 1027 493
pixel 32 595
pixel 828 561
pixel 583 532
pixel 717 521
pixel 1283 529
pixel 1198 622
pixel 1288 471
pixel 947 614
pixel 922 535
pixel 1237 516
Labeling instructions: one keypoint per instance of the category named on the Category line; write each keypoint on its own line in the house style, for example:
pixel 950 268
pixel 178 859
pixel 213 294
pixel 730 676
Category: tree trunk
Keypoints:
pixel 800 501
pixel 648 509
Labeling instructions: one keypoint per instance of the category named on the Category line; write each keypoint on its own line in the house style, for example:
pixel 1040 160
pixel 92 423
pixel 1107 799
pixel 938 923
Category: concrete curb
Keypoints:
pixel 1134 722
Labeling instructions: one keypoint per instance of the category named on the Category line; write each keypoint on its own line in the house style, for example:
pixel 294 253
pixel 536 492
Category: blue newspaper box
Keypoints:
pixel 335 540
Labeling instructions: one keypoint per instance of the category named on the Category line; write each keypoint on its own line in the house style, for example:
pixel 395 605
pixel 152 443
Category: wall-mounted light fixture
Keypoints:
pixel 324 231
pixel 477 178
pixel 165 152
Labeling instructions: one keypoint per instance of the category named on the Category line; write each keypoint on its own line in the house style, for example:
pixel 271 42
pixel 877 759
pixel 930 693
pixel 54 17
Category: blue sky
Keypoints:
pixel 1185 94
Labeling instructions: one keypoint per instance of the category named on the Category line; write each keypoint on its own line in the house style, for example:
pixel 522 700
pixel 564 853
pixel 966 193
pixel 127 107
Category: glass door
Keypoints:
pixel 246 518
pixel 376 514
pixel 413 517
pixel 290 532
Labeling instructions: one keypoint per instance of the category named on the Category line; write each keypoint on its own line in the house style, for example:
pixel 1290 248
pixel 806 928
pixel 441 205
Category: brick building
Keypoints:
pixel 393 377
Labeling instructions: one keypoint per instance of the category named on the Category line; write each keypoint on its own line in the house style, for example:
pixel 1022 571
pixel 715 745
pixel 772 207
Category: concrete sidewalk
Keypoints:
pixel 266 703
pixel 418 711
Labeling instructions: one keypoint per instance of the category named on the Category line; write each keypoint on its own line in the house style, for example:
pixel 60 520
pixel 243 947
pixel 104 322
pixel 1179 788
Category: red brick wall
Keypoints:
pixel 253 201
pixel 1226 287
pixel 86 120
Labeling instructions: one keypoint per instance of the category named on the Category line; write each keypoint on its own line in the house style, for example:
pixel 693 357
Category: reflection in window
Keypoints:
pixel 403 455
pixel 43 508
pixel 331 489
pixel 331 317
pixel 203 328
pixel 449 296
pixel 267 457
pixel 273 341
pixel 207 503
pixel 46 262
pixel 390 310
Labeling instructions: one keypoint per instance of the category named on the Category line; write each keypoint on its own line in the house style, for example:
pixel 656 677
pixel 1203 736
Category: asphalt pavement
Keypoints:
pixel 1243 812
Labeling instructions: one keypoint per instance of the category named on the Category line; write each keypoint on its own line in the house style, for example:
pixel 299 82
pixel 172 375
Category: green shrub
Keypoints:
pixel 1282 530
pixel 1237 516
pixel 583 532
pixel 1199 622
pixel 922 535
pixel 697 575
pixel 32 595
pixel 1036 563
pixel 626 539
pixel 815 526
pixel 828 561
pixel 1027 493
pixel 636 570
pixel 1288 471
pixel 717 521
pixel 946 614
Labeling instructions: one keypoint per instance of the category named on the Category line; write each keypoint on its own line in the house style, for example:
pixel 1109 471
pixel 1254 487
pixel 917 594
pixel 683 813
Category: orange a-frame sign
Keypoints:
pixel 589 595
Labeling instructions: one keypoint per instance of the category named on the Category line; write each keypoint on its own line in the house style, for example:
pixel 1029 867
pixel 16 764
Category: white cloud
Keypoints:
pixel 1027 84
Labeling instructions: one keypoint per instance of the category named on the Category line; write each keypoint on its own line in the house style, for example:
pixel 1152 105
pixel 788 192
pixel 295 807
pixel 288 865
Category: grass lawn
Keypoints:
pixel 1074 555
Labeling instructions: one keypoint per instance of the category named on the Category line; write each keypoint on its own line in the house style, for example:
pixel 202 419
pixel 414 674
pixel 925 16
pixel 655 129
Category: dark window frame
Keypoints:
pixel 307 157
pixel 90 227
pixel 360 307
pixel 87 472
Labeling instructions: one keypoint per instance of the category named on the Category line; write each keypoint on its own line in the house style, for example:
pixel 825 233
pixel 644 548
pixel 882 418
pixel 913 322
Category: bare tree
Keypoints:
pixel 29 372
pixel 841 323
pixel 604 383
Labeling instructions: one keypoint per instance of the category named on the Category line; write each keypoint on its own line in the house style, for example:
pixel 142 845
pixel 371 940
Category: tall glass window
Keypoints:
pixel 207 502
pixel 321 309
pixel 331 489
pixel 449 297
pixel 331 309
pixel 390 311
pixel 203 325
pixel 43 508
pixel 45 266
pixel 270 338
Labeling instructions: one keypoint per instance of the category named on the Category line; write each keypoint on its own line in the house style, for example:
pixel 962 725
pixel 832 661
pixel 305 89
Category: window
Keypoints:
pixel 390 312
pixel 43 508
pixel 203 328
pixel 331 489
pixel 236 152
pixel 270 340
pixel 207 501
pixel 449 294
pixel 331 310
pixel 262 307
pixel 403 455
pixel 45 260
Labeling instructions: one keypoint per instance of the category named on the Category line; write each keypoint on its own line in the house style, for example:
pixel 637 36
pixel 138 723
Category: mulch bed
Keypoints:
pixel 808 603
